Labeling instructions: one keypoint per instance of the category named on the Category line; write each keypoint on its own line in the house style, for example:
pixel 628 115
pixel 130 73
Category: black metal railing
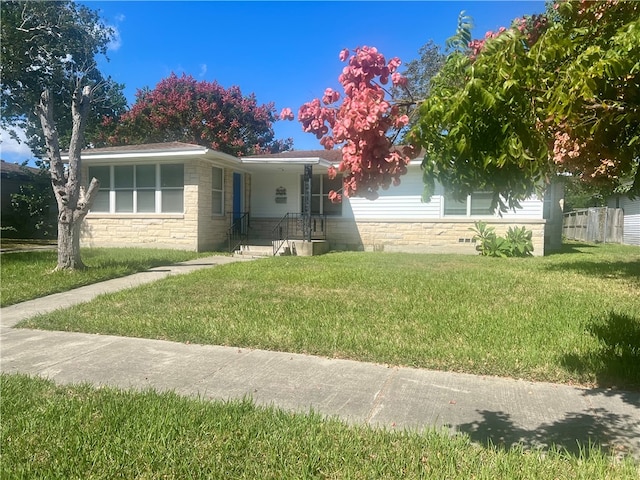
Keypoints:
pixel 238 232
pixel 293 227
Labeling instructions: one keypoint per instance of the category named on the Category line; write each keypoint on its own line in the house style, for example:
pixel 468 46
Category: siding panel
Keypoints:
pixel 631 234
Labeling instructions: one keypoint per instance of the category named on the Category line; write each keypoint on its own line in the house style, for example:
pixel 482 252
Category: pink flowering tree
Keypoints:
pixel 364 121
pixel 183 109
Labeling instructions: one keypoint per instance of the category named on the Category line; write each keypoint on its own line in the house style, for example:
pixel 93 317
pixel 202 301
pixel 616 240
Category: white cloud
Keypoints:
pixel 116 40
pixel 203 70
pixel 12 150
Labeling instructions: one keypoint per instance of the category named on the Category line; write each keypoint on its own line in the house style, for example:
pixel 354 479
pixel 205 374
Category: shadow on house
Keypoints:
pixel 616 361
pixel 608 431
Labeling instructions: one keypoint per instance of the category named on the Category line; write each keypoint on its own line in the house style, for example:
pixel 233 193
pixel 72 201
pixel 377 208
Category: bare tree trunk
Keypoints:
pixel 73 201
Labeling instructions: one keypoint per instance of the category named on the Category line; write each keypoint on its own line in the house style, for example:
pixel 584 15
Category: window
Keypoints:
pixel 321 185
pixel 217 191
pixel 139 188
pixel 477 204
pixel 101 202
pixel 172 188
pixel 453 206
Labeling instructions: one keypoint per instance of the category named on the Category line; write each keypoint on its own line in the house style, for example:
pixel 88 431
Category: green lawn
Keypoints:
pixel 572 317
pixel 27 275
pixel 79 432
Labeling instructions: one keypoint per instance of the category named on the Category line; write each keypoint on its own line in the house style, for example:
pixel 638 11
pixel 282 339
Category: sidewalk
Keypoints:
pixel 504 411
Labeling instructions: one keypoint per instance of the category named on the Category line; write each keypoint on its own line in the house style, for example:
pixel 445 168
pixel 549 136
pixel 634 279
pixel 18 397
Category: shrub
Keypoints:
pixel 516 243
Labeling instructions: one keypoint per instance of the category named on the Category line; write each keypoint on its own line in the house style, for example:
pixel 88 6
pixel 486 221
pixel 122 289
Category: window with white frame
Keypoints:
pixel 321 185
pixel 475 205
pixel 139 188
pixel 217 191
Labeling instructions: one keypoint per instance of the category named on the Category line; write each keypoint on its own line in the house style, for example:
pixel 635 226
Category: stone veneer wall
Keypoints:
pixel 159 230
pixel 437 236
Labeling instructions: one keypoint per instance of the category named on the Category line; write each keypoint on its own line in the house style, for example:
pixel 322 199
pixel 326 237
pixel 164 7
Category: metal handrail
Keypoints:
pixel 292 227
pixel 238 233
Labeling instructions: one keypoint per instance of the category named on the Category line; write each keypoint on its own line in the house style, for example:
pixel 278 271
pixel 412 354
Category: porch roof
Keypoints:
pixel 323 158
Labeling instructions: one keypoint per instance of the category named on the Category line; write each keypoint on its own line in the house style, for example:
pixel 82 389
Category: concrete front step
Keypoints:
pixel 254 251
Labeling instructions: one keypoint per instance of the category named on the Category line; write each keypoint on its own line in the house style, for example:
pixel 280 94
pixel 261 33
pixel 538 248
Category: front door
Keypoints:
pixel 237 200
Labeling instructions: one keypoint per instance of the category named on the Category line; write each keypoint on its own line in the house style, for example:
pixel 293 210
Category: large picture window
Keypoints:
pixel 139 188
pixel 321 185
pixel 478 204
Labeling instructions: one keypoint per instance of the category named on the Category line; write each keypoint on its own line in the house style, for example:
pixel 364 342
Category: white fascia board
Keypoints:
pixel 130 155
pixel 282 161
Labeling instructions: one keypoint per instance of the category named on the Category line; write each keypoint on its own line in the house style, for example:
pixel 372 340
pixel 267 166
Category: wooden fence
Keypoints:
pixel 600 224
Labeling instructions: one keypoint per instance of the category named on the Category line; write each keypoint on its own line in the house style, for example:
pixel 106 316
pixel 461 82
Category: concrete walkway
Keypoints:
pixel 503 411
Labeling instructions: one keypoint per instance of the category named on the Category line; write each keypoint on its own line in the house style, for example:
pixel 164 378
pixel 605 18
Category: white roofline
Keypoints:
pixel 206 152
pixel 287 161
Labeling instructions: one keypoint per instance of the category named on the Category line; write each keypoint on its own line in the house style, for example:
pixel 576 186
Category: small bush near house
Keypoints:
pixel 516 243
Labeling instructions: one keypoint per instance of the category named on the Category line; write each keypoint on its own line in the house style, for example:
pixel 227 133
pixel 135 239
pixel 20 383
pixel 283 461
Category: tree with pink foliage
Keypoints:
pixel 364 123
pixel 183 109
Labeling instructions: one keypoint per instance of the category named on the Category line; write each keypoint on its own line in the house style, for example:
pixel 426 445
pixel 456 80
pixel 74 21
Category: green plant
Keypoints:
pixel 516 243
pixel 519 242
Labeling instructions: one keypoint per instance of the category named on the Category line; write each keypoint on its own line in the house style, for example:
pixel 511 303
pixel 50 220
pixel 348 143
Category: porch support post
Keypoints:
pixel 306 207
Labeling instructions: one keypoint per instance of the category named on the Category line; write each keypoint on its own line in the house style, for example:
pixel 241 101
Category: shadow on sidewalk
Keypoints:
pixel 574 433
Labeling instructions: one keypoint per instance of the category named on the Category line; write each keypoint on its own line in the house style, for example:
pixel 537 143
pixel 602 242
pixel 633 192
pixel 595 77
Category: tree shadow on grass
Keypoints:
pixel 573 247
pixel 625 270
pixel 607 431
pixel 616 363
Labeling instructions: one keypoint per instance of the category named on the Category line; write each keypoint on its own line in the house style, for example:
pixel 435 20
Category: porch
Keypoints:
pixel 293 234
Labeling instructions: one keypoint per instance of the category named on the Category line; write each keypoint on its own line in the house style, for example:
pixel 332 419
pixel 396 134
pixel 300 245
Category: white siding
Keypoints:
pixel 531 208
pixel 631 234
pixel 401 202
pixel 263 194
pixel 405 202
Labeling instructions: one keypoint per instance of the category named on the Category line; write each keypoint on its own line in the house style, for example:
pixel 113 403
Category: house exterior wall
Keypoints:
pixel 197 229
pixel 158 230
pixel 419 236
pixel 631 208
pixel 396 221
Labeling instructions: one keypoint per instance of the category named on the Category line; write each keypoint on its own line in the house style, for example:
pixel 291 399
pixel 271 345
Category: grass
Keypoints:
pixel 69 432
pixel 29 274
pixel 572 317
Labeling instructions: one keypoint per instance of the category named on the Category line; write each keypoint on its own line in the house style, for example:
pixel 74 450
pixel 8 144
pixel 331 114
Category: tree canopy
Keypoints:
pixel 49 74
pixel 186 110
pixel 52 45
pixel 555 93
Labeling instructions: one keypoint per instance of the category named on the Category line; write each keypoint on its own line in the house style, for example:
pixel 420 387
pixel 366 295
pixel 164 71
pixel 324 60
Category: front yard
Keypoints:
pixel 572 317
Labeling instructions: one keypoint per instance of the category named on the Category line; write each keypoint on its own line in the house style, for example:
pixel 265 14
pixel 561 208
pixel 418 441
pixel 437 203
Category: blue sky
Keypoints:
pixel 283 52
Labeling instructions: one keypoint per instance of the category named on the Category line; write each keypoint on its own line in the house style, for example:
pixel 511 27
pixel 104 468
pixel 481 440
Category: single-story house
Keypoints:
pixel 187 196
pixel 631 222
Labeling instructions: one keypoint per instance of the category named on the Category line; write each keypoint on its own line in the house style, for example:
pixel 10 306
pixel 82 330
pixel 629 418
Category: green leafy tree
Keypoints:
pixel 418 74
pixel 507 113
pixel 50 84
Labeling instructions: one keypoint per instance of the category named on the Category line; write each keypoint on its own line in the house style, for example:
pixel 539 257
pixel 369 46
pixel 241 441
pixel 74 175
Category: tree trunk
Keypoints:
pixel 69 243
pixel 73 201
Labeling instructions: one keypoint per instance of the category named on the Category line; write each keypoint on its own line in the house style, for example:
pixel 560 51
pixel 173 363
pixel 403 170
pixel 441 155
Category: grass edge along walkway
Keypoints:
pixel 78 431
